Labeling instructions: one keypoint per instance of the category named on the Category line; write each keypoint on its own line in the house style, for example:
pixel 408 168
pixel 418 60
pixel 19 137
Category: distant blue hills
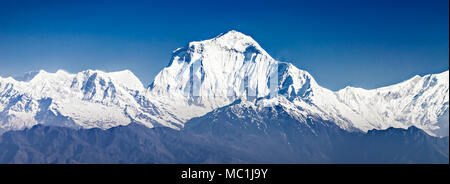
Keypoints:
pixel 218 137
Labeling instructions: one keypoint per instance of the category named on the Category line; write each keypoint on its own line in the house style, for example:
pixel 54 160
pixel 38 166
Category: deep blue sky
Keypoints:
pixel 360 43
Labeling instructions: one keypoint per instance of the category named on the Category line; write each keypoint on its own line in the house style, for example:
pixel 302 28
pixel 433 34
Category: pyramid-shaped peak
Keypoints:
pixel 235 37
pixel 233 34
pixel 232 40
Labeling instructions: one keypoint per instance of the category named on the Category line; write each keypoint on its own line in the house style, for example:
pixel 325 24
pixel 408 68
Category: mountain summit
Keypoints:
pixel 216 72
pixel 230 69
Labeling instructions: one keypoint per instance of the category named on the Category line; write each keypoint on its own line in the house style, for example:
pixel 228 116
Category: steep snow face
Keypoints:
pixel 214 73
pixel 419 101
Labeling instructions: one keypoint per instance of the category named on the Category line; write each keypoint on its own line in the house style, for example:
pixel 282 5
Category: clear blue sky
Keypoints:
pixel 360 43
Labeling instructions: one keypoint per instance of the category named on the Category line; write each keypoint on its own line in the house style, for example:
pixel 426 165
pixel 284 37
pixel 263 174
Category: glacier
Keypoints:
pixel 206 75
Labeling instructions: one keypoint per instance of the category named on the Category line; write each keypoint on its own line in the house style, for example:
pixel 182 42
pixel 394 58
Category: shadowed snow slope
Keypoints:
pixel 206 75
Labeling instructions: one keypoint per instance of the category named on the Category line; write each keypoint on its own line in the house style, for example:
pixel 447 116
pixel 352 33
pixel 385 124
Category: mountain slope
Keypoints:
pixel 419 101
pixel 206 75
pixel 89 99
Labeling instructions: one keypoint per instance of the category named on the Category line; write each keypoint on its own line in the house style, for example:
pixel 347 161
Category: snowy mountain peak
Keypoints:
pixel 88 99
pixel 125 78
pixel 418 101
pixel 206 75
pixel 43 75
pixel 28 76
pixel 238 41
pixel 39 75
pixel 232 41
pixel 217 71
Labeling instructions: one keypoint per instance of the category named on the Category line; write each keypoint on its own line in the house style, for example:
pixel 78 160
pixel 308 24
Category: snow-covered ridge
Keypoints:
pixel 88 99
pixel 419 101
pixel 206 75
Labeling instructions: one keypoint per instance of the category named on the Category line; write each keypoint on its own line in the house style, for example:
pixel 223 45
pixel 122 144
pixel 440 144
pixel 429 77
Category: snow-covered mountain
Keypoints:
pixel 210 74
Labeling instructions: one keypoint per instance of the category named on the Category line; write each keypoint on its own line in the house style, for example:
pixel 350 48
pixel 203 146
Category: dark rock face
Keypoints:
pixel 269 136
